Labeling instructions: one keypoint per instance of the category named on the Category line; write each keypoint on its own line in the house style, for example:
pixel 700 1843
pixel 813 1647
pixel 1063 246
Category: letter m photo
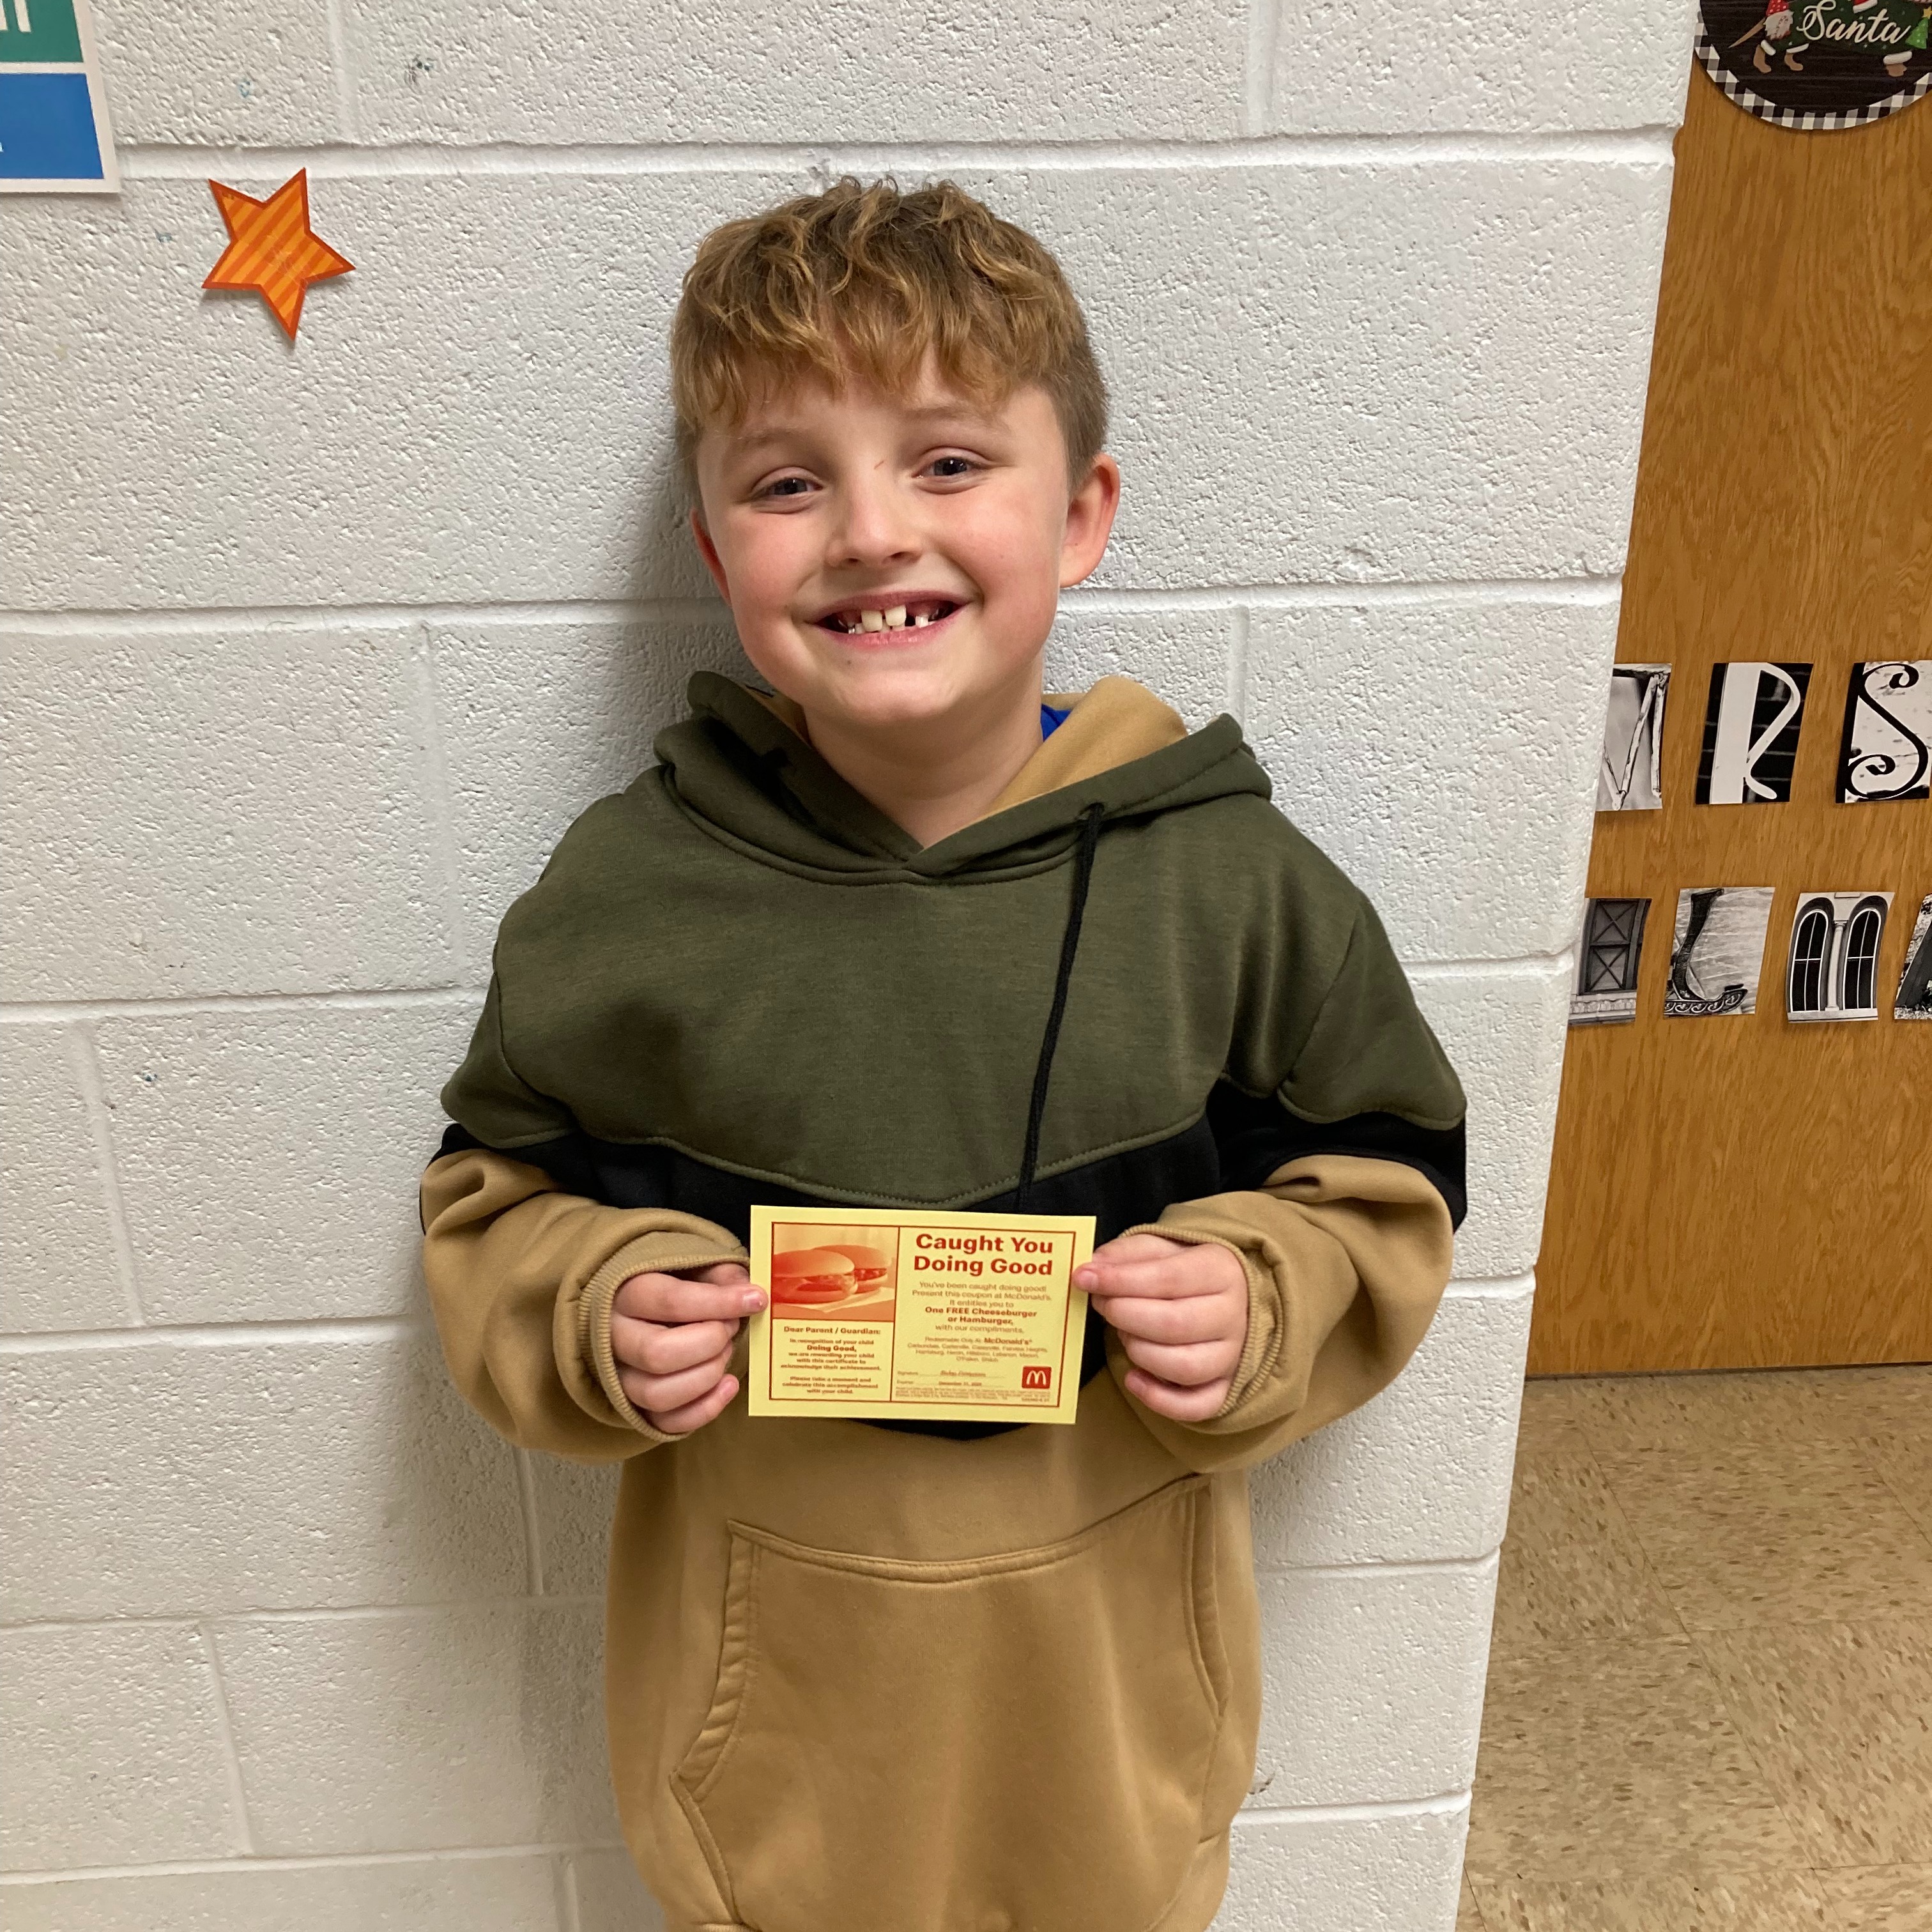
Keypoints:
pixel 1037 1376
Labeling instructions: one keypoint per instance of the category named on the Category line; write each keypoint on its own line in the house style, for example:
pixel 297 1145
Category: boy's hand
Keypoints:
pixel 1182 1310
pixel 672 1337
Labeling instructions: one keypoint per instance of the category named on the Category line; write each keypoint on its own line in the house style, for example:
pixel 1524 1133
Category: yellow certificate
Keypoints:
pixel 882 1312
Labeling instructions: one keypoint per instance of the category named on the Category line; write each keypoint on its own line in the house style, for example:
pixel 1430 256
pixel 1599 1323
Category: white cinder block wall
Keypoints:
pixel 312 651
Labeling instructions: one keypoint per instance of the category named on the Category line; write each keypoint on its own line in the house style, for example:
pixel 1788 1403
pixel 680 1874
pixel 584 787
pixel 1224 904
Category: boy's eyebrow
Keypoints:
pixel 779 432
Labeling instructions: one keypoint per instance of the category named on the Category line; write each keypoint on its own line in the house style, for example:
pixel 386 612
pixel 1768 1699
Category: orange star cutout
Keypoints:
pixel 272 249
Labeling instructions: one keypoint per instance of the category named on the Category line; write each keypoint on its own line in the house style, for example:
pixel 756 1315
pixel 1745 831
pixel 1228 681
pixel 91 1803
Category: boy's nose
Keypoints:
pixel 874 526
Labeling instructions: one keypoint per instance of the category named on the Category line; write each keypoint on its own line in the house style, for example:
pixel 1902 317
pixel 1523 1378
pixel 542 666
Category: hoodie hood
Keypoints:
pixel 739 765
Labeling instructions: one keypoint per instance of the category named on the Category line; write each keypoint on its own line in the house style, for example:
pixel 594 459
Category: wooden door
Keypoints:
pixel 1750 1192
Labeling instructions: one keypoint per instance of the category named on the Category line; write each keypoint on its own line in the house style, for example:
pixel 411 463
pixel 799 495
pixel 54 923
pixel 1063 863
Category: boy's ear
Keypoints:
pixel 1089 521
pixel 707 550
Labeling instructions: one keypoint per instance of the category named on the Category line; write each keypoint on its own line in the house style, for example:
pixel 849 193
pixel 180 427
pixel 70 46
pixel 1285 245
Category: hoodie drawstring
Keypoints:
pixel 1069 944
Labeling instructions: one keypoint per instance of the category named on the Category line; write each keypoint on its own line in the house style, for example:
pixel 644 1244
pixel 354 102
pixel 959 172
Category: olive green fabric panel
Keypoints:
pixel 874 1036
pixel 486 1095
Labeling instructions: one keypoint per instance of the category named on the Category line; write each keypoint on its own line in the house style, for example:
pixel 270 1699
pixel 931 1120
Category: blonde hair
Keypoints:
pixel 861 281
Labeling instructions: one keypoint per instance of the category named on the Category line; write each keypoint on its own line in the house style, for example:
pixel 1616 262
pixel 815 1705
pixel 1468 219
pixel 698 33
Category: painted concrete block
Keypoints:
pixel 826 70
pixel 516 1893
pixel 1420 1473
pixel 1373 1683
pixel 446 428
pixel 115 1751
pixel 240 812
pixel 502 1744
pixel 575 1505
pixel 59 1265
pixel 1364 372
pixel 540 720
pixel 1504 1033
pixel 1181 655
pixel 227 73
pixel 1397 1872
pixel 1458 351
pixel 1358 68
pixel 610 1896
pixel 269 1161
pixel 157 1480
pixel 1444 756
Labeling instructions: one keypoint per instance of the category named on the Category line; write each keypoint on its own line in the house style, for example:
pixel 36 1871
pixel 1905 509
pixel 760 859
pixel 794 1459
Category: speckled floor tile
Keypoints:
pixel 1614 1756
pixel 1468 1913
pixel 1881 1898
pixel 1773 1533
pixel 1839 1718
pixel 1783 1901
pixel 1886 1414
pixel 1626 1416
pixel 1570 1566
pixel 1895 1401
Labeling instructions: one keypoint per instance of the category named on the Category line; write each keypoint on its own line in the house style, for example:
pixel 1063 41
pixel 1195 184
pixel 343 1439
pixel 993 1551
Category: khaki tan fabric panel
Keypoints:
pixel 1744 1191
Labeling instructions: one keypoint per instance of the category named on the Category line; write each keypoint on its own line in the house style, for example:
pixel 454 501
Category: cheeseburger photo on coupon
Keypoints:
pixel 812 1275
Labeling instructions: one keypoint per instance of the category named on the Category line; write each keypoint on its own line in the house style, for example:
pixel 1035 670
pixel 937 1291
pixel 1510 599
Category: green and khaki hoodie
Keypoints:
pixel 904 1678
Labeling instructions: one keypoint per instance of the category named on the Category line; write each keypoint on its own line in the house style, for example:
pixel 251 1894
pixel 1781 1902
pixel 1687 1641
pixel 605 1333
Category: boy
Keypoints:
pixel 898 931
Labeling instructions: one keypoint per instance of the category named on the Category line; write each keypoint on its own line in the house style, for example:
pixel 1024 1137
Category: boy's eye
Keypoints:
pixel 967 465
pixel 782 486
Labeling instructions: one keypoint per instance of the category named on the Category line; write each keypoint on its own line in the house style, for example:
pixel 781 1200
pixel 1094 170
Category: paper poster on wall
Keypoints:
pixel 54 135
pixel 1914 984
pixel 1833 973
pixel 1631 778
pixel 1818 66
pixel 1608 952
pixel 1750 733
pixel 1717 951
pixel 1886 753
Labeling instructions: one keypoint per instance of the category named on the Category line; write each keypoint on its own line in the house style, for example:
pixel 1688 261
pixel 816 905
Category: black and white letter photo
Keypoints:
pixel 1750 733
pixel 1887 750
pixel 1717 952
pixel 1631 778
pixel 1833 973
pixel 1914 984
pixel 1608 952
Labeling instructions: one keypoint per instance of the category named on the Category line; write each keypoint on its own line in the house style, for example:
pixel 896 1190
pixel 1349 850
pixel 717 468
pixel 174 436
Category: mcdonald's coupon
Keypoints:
pixel 880 1313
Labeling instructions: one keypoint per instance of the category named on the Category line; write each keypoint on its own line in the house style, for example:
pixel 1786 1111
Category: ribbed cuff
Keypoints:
pixel 1257 1344
pixel 641 1256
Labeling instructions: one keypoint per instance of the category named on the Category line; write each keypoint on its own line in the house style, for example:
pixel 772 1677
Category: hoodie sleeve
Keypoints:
pixel 521 1278
pixel 522 1273
pixel 1350 1185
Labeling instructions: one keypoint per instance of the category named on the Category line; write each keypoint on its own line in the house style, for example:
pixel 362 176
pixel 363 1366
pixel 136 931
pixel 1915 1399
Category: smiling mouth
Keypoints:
pixel 857 619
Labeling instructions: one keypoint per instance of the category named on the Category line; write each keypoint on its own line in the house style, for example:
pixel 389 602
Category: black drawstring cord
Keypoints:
pixel 1069 944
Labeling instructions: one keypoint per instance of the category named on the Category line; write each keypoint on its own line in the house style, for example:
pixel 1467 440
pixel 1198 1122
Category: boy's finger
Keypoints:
pixel 1196 1318
pixel 1184 1405
pixel 1166 1275
pixel 1192 1366
pixel 694 1414
pixel 723 1274
pixel 654 1393
pixel 663 1348
pixel 668 1297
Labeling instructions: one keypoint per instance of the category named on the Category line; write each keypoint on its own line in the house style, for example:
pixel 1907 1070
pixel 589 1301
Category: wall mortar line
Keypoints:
pixel 238 1790
pixel 526 1503
pixel 436 784
pixel 1315 594
pixel 311 1861
pixel 1621 147
pixel 43 1013
pixel 84 1057
pixel 343 70
pixel 1444 1805
pixel 1263 33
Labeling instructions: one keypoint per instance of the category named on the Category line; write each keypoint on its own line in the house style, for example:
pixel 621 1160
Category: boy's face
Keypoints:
pixel 827 518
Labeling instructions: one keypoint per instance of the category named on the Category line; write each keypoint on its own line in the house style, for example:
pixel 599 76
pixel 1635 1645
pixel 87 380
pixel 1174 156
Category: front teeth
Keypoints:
pixel 873 620
pixel 894 618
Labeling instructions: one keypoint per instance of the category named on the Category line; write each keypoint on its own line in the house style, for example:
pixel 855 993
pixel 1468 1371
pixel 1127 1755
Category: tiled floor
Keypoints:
pixel 1710 1701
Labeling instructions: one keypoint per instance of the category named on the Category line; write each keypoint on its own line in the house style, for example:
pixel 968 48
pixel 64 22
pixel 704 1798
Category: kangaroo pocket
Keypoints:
pixel 1015 1743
